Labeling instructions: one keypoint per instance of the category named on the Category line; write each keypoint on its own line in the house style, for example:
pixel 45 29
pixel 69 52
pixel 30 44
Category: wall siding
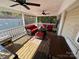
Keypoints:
pixel 71 28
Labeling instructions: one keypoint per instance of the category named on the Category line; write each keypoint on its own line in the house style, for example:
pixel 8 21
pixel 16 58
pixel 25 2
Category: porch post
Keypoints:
pixel 62 21
pixel 36 21
pixel 23 19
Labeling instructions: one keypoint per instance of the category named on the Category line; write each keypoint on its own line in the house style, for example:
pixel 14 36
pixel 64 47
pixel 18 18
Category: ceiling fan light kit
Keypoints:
pixel 44 12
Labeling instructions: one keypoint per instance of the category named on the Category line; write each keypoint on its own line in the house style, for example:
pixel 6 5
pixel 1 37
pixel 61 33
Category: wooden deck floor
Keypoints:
pixel 18 43
pixel 42 51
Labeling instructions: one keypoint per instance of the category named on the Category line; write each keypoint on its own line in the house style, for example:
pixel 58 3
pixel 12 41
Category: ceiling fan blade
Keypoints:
pixel 14 5
pixel 33 4
pixel 13 0
pixel 26 7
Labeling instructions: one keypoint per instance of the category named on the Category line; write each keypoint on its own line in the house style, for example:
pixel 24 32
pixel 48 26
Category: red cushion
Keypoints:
pixel 34 30
pixel 39 34
pixel 44 26
pixel 49 27
pixel 30 27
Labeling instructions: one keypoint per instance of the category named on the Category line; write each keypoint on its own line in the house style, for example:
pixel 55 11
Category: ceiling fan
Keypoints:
pixel 44 12
pixel 24 3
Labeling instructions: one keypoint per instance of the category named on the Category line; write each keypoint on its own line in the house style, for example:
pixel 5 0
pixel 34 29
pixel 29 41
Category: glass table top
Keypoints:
pixel 4 53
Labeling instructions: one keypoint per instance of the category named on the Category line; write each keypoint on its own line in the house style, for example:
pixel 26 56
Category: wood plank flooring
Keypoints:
pixel 42 51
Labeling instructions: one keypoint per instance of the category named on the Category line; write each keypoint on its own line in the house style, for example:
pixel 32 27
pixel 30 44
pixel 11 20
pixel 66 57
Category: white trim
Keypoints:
pixel 72 46
pixel 77 38
pixel 23 19
pixel 36 21
pixel 62 20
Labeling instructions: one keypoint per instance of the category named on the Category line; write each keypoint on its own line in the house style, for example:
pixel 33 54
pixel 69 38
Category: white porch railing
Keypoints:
pixel 13 32
pixel 38 24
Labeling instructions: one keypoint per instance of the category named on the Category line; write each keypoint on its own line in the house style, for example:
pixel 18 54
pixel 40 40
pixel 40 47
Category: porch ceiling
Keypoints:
pixel 51 6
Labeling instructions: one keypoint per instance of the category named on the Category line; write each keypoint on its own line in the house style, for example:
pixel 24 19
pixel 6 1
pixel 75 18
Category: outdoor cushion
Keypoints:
pixel 49 27
pixel 31 29
pixel 39 35
pixel 44 26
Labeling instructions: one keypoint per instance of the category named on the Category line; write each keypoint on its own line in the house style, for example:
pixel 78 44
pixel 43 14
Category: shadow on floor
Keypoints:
pixel 14 48
pixel 42 51
pixel 40 55
pixel 18 44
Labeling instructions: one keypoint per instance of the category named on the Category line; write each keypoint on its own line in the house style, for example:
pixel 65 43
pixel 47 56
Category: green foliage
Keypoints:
pixel 47 19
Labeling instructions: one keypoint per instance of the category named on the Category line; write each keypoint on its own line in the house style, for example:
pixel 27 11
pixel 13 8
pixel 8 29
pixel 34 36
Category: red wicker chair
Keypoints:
pixel 31 29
